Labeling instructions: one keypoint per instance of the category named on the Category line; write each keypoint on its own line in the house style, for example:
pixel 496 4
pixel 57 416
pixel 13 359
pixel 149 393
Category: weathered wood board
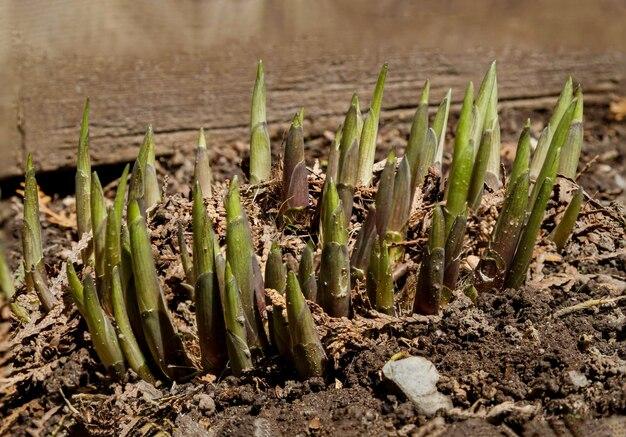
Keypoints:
pixel 192 64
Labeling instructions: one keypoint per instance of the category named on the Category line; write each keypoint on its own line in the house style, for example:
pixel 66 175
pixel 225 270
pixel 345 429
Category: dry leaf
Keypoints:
pixel 618 109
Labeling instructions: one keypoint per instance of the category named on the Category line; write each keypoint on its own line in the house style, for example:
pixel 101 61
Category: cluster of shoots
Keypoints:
pixel 244 312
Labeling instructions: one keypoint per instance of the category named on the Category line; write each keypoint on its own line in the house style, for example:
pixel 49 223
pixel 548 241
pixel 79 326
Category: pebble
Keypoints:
pixel 263 428
pixel 472 261
pixel 205 403
pixel 577 379
pixel 315 423
pixel 148 391
pixel 417 378
pixel 186 426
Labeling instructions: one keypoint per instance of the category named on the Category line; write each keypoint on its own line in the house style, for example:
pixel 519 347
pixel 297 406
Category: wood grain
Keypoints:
pixel 179 83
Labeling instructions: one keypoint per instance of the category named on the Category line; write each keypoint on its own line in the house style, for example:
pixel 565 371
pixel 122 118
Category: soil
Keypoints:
pixel 518 362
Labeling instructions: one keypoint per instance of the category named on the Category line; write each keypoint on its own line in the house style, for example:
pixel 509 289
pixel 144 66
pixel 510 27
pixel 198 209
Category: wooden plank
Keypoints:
pixel 11 138
pixel 179 95
pixel 179 68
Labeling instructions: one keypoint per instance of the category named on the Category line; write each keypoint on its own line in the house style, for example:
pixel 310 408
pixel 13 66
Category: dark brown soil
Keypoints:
pixel 512 362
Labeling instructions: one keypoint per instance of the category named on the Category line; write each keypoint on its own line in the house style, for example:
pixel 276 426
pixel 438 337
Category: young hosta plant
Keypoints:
pixel 125 308
pixel 349 157
pixel 165 344
pixel 393 206
pixel 35 274
pixel 425 160
pixel 7 288
pixel 477 182
pixel 112 335
pixel 112 253
pixel 380 278
pixel 422 146
pixel 440 124
pixel 245 266
pixel 484 104
pixel 462 162
pixel 563 102
pixel 506 261
pixel 495 263
pixel 367 149
pixel 400 210
pixel 332 168
pixel 185 259
pixel 384 194
pixel 83 179
pixel 522 158
pixel 202 169
pixel 306 273
pixel 276 270
pixel 239 354
pixel 564 228
pixel 130 290
pixel 144 185
pixel 363 245
pixel 570 155
pixel 453 251
pixel 551 162
pixel 492 173
pixel 75 289
pixel 519 265
pixel 128 342
pixel 419 129
pixel 334 284
pixel 308 353
pixel 295 190
pixel 260 151
pixel 113 236
pixel 103 334
pixel 276 279
pixel 99 224
pixel 209 316
pixel 430 279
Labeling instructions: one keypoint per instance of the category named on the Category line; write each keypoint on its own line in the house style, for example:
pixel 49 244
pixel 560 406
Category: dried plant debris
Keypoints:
pixel 270 305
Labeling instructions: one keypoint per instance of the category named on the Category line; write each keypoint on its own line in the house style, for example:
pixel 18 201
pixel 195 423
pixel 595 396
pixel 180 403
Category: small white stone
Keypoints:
pixel 417 378
pixel 578 379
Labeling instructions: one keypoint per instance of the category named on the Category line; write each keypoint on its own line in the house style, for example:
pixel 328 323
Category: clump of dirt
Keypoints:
pixel 548 358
